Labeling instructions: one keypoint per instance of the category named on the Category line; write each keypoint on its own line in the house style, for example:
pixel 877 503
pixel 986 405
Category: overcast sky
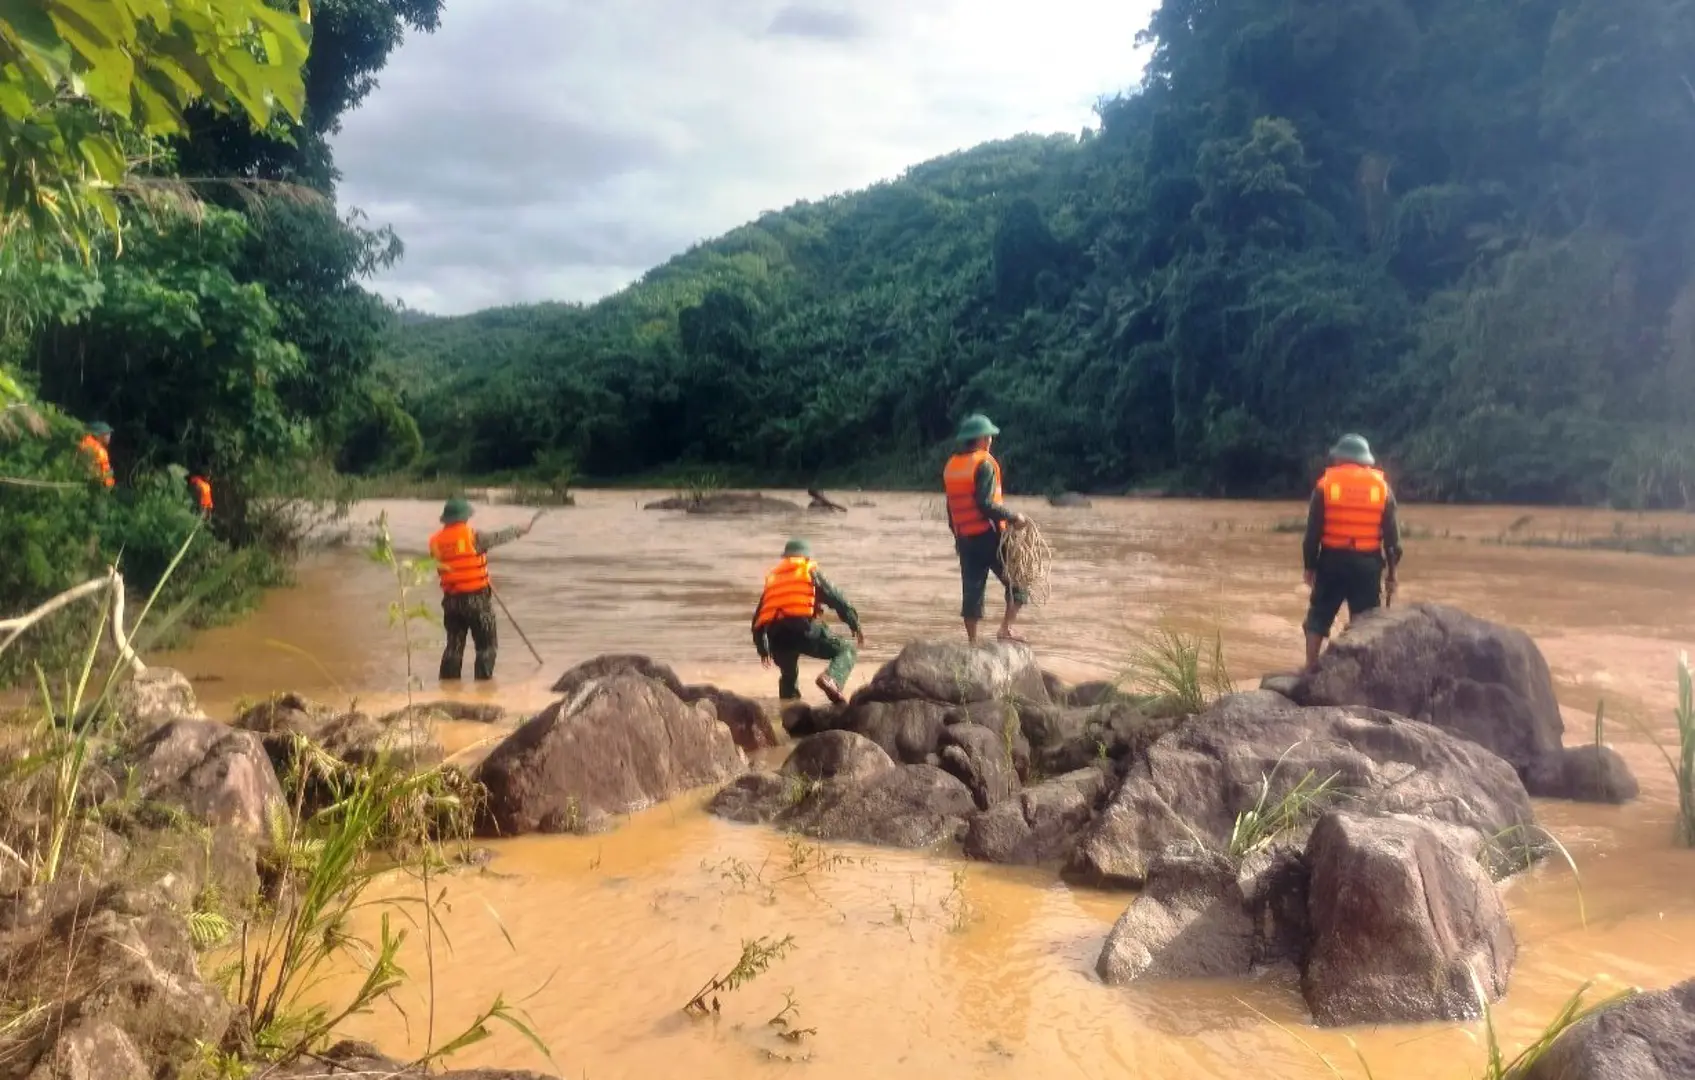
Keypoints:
pixel 556 149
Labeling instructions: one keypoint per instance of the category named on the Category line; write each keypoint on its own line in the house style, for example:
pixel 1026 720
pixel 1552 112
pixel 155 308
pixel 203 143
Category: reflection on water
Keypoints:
pixel 619 930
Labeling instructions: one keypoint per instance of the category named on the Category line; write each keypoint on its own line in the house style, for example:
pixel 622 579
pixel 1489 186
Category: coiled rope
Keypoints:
pixel 1027 559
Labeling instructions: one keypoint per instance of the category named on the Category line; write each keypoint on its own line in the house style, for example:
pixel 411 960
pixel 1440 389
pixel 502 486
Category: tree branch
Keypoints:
pixel 14 627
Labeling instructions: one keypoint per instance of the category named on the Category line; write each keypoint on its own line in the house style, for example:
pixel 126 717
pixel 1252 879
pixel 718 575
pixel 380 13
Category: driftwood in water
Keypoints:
pixel 820 501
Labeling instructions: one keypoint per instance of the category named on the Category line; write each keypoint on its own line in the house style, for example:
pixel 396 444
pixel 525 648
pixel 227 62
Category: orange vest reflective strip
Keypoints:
pixel 789 593
pixel 1355 497
pixel 102 460
pixel 461 567
pixel 202 491
pixel 959 481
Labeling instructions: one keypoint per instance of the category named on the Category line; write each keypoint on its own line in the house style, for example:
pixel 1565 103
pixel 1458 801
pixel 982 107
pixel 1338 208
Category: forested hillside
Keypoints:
pixel 173 264
pixel 1465 227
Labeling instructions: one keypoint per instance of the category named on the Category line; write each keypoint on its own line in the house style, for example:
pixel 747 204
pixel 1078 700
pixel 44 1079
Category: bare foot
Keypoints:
pixel 831 690
pixel 1012 636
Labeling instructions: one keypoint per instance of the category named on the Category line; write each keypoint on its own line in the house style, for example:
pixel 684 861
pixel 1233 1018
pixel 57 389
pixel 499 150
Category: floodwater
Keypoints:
pixel 923 964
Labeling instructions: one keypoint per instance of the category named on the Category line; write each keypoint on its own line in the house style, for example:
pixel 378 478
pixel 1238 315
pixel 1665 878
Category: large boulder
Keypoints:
pixel 220 775
pixel 91 1050
pixel 153 697
pixel 1648 1037
pixel 1194 782
pixel 958 673
pixel 1407 924
pixel 1004 722
pixel 841 786
pixel 1065 738
pixel 615 745
pixel 405 740
pixel 749 723
pixel 1476 679
pixel 1587 773
pixel 1042 823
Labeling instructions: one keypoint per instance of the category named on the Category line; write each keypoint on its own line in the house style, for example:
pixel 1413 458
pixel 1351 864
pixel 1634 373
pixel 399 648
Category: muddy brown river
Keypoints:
pixel 925 965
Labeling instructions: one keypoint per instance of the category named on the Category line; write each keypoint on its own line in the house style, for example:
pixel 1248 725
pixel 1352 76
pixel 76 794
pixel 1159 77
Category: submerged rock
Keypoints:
pixel 350 1060
pixel 1194 782
pixel 1590 773
pixel 1070 500
pixel 726 502
pixel 841 786
pixel 1403 917
pixel 616 745
pixel 1649 1037
pixel 1189 922
pixel 982 761
pixel 1479 680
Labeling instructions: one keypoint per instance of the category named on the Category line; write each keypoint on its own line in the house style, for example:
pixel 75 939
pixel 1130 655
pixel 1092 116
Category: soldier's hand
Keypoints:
pixel 859 638
pixel 764 661
pixel 1020 520
pixel 1310 578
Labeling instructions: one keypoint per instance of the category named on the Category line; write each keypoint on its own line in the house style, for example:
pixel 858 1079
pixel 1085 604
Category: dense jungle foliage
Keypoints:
pixel 1463 227
pixel 172 263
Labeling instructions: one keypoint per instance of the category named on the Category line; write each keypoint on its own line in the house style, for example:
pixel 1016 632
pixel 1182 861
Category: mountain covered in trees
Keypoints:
pixel 1465 228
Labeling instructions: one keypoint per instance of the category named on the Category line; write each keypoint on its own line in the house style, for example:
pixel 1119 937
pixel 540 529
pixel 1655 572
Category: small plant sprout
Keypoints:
pixel 1270 818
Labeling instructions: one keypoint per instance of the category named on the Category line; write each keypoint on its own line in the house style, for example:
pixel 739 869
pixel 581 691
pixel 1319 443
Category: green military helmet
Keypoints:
pixel 1353 448
pixel 797 547
pixel 456 510
pixel 976 426
pixel 99 428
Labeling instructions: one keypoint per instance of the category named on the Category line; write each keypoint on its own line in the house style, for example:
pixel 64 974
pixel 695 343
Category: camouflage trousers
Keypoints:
pixel 473 614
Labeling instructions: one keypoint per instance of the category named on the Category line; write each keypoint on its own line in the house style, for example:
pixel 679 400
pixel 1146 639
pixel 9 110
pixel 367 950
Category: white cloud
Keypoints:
pixel 556 149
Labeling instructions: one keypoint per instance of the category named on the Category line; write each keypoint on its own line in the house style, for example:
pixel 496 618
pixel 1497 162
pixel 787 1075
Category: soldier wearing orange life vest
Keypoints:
pixel 467 597
pixel 786 624
pixel 202 489
pixel 1352 538
pixel 95 445
pixel 972 481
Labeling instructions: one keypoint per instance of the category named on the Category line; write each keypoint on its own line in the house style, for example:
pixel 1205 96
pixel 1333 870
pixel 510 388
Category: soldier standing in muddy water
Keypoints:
pixel 467 600
pixel 1352 538
pixel 786 624
pixel 972 482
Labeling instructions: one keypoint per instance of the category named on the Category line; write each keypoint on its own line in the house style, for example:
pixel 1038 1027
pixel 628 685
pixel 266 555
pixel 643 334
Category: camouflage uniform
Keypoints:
pixel 787 640
pixel 980 555
pixel 472 614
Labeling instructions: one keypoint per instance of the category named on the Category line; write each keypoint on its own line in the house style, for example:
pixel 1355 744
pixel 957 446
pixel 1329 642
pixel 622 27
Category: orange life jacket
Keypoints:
pixel 202 491
pixel 96 450
pixel 1355 497
pixel 461 567
pixel 789 592
pixel 959 480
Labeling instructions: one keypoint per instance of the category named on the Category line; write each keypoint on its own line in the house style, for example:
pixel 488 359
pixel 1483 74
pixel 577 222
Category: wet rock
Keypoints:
pixel 154 697
pixel 1403 914
pixel 730 503
pixel 749 724
pixel 220 775
pixel 908 731
pixel 1478 680
pixel 1589 773
pixel 801 719
pixel 463 712
pixel 1090 694
pixel 615 745
pixel 286 714
pixel 841 786
pixel 1196 780
pixel 405 739
pixel 1056 687
pixel 92 1050
pixel 1063 739
pixel 1004 722
pixel 1041 823
pixel 1070 500
pixel 1287 685
pixel 958 674
pixel 1649 1037
pixel 982 761
pixel 350 1060
pixel 1190 922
